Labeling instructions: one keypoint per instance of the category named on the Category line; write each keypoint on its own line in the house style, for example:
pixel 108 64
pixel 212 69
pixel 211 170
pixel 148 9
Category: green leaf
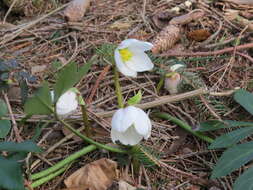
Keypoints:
pixel 245 181
pixel 40 103
pixel 68 77
pixel 135 99
pixel 26 146
pixel 11 175
pixel 232 159
pixel 3 108
pixel 245 99
pixel 231 138
pixel 215 124
pixel 5 126
pixel 212 125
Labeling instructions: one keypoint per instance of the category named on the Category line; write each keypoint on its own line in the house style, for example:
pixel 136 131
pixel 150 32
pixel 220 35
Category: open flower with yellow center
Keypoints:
pixel 130 57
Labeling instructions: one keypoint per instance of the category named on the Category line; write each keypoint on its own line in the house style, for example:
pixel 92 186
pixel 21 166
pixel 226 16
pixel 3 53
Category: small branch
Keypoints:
pixel 100 78
pixel 217 52
pixel 14 124
pixel 117 88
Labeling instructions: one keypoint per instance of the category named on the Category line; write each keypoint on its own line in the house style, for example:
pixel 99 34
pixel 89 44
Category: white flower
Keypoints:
pixel 172 81
pixel 130 125
pixel 66 104
pixel 130 57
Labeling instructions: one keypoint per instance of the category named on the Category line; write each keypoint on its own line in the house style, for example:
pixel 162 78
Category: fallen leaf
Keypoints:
pixel 97 175
pixel 121 25
pixel 76 10
pixel 125 186
pixel 38 69
pixel 199 35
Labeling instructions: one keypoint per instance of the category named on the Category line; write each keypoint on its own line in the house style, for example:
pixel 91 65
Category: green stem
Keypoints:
pixel 99 145
pixel 63 162
pixel 117 88
pixel 183 125
pixel 48 178
pixel 86 121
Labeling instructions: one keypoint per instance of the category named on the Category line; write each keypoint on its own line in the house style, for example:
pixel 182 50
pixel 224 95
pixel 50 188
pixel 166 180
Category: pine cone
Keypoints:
pixel 166 38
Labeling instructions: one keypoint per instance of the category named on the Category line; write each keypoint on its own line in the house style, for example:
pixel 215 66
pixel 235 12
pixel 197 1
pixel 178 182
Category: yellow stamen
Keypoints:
pixel 125 54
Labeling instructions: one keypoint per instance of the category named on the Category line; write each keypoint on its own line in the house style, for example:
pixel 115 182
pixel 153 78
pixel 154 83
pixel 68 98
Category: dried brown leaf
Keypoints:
pixel 187 18
pixel 125 186
pixel 97 175
pixel 199 35
pixel 166 39
pixel 76 10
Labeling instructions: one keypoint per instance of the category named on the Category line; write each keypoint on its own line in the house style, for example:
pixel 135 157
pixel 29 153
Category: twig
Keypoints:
pixel 9 10
pixel 100 78
pixel 217 52
pixel 14 124
pixel 246 56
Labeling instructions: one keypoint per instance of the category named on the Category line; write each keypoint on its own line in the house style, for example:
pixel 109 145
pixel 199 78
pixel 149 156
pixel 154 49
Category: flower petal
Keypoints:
pixel 123 118
pixel 67 103
pixel 135 44
pixel 142 123
pixel 140 62
pixel 129 137
pixel 121 66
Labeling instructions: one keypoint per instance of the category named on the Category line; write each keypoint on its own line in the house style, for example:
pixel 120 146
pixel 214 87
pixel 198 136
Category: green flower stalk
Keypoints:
pixel 183 125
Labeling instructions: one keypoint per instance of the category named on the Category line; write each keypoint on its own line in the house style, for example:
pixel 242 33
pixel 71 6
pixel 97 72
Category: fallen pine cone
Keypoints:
pixel 76 10
pixel 166 39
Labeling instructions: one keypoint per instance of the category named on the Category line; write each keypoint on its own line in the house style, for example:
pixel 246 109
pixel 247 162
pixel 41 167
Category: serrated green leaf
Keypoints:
pixel 26 146
pixel 232 159
pixel 135 99
pixel 5 126
pixel 40 103
pixel 245 99
pixel 11 175
pixel 3 108
pixel 215 125
pixel 245 181
pixel 68 77
pixel 231 138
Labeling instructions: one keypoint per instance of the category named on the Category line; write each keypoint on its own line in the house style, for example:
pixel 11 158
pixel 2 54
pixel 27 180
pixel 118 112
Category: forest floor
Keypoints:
pixel 40 43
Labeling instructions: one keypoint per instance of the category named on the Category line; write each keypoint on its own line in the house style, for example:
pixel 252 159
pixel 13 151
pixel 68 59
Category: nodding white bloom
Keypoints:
pixel 66 104
pixel 172 80
pixel 130 125
pixel 130 57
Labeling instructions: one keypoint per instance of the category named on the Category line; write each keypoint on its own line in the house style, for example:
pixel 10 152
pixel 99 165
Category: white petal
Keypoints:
pixel 129 137
pixel 142 123
pixel 136 44
pixel 121 66
pixel 67 103
pixel 140 62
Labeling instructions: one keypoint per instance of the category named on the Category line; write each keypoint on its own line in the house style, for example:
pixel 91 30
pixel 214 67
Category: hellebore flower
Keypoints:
pixel 66 104
pixel 172 80
pixel 130 57
pixel 130 125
